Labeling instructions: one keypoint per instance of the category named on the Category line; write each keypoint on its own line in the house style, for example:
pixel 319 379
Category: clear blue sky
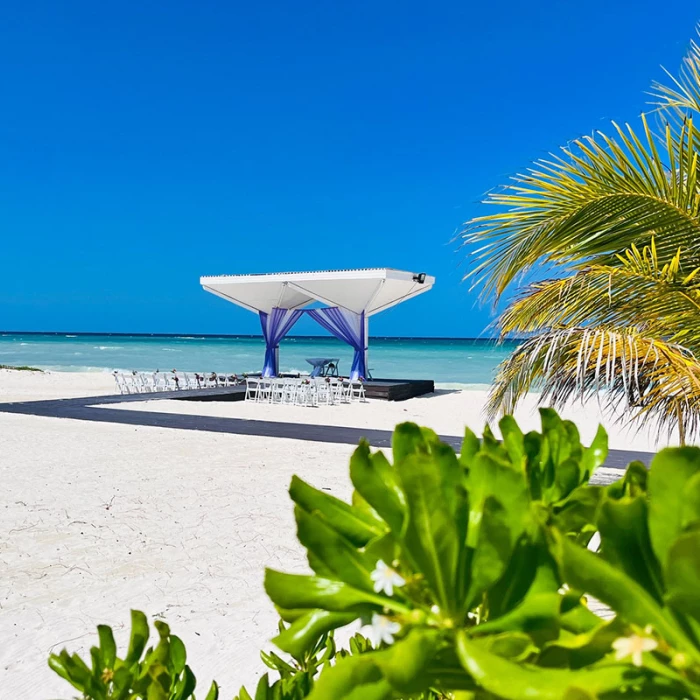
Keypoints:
pixel 143 144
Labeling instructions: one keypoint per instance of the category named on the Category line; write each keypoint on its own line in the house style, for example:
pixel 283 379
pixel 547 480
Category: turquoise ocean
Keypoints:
pixel 449 361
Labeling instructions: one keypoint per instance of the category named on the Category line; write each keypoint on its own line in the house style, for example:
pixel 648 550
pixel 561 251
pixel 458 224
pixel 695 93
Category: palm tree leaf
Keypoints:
pixel 649 379
pixel 603 295
pixel 683 94
pixel 596 200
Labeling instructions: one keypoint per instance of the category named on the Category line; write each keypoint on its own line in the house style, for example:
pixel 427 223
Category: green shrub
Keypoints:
pixel 22 368
pixel 464 541
pixel 470 572
pixel 158 674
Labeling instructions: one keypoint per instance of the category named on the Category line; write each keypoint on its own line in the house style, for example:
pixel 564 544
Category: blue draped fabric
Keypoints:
pixel 275 326
pixel 348 327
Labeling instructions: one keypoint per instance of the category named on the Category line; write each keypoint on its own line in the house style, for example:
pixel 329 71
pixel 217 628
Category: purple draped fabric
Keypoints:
pixel 275 326
pixel 348 327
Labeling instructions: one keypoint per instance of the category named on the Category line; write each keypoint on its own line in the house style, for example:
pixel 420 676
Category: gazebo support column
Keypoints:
pixel 366 341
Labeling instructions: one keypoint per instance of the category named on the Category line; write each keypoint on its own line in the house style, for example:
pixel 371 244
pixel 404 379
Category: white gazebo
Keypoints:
pixel 350 296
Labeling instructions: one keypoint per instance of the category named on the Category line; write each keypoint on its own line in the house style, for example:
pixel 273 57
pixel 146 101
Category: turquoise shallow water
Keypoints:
pixel 447 361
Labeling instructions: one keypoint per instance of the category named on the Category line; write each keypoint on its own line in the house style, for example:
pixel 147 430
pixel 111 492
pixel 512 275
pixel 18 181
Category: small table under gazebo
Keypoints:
pixel 323 366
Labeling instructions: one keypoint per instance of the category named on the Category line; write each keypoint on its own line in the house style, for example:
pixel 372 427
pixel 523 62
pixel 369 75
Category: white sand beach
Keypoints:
pixel 99 518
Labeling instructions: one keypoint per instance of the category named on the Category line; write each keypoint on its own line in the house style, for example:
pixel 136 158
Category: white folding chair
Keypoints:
pixel 265 391
pixel 251 389
pixel 289 391
pixel 145 382
pixel 130 383
pixel 305 394
pixel 337 389
pixel 357 392
pixel 277 390
pixel 120 382
pixel 160 382
pixel 324 392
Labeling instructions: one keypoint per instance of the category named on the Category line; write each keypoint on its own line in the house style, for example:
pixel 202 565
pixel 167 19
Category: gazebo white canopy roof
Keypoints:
pixel 369 290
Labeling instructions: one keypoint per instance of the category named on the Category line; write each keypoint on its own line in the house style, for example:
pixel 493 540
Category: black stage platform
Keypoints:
pixel 384 389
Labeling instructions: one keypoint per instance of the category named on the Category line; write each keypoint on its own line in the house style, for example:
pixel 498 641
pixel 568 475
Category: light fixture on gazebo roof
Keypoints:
pixel 350 296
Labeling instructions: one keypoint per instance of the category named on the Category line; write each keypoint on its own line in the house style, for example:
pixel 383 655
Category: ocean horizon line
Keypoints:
pixel 236 336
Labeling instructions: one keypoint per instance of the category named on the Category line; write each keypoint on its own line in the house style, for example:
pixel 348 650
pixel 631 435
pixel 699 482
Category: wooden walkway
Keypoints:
pixel 96 409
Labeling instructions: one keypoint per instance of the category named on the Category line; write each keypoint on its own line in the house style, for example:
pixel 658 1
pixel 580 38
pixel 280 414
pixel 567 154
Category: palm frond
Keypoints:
pixel 649 380
pixel 593 202
pixel 682 95
pixel 658 299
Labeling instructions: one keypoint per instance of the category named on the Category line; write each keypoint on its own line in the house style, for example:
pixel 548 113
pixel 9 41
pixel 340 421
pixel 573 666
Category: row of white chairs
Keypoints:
pixel 318 391
pixel 149 382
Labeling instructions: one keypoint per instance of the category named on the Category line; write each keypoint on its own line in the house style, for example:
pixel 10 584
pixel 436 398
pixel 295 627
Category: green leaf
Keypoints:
pixel 588 572
pixel 337 554
pixel 261 692
pixel 683 575
pixel 386 548
pixel 213 693
pixel 636 480
pixel 575 617
pixel 318 566
pixel 401 667
pixel 513 441
pixel 360 504
pixel 377 482
pixel 162 628
pixel 470 446
pixel 577 511
pixel 510 681
pixel 292 591
pixel 595 455
pixel 305 631
pixel 491 478
pixel 184 686
pixel 108 646
pixel 410 439
pixel 690 516
pixel 625 542
pixel 580 650
pixel 350 522
pixel 73 669
pixel 537 616
pixel 557 439
pixel 139 637
pixel 671 469
pixel 64 666
pixel 512 587
pixel 431 537
pixel 243 694
pixel 494 549
pixel 349 674
pixel 178 655
pixel 511 645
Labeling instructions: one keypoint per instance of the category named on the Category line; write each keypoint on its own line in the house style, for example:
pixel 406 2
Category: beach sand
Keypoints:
pixel 99 518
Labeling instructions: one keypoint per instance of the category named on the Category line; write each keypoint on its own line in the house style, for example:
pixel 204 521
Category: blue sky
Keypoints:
pixel 145 144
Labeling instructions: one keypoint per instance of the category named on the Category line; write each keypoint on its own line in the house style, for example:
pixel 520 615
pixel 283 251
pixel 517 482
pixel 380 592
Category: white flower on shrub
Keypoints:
pixel 383 630
pixel 633 646
pixel 385 579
